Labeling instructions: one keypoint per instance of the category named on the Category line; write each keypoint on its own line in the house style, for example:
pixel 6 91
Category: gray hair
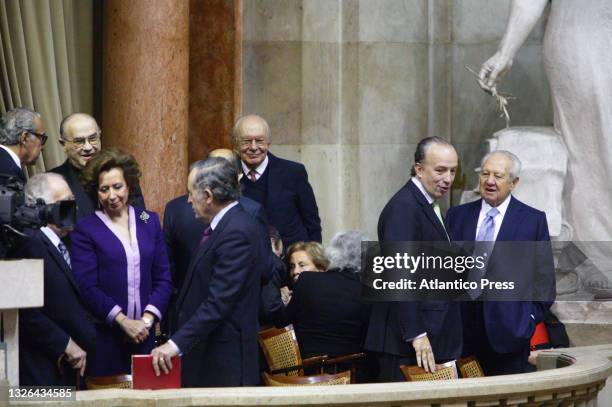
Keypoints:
pixel 15 122
pixel 344 250
pixel 39 186
pixel 218 175
pixel 236 133
pixel 515 170
pixel 423 146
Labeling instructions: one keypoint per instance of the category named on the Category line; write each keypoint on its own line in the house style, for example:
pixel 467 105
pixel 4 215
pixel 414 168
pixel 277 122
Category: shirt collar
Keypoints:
pixel 259 170
pixel 421 188
pixel 217 218
pixel 51 235
pixel 502 208
pixel 14 156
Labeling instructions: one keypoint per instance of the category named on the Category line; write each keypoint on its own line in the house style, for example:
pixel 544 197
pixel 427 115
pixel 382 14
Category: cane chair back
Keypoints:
pixel 470 367
pixel 280 347
pixel 314 380
pixel 445 371
pixel 121 381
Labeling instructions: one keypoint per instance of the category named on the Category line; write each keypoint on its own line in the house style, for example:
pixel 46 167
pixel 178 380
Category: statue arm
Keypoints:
pixel 524 15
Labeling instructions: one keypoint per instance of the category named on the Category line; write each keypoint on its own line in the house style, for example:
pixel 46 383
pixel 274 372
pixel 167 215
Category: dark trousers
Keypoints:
pixel 476 343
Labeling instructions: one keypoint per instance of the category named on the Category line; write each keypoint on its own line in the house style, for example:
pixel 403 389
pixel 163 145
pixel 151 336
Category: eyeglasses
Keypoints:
pixel 259 142
pixel 80 141
pixel 41 136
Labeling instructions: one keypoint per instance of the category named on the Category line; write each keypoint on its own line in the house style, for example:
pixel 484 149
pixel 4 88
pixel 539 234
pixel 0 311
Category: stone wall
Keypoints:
pixel 350 86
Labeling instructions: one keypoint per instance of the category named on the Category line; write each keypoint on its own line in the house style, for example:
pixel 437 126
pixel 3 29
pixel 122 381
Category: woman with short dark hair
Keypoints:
pixel 119 261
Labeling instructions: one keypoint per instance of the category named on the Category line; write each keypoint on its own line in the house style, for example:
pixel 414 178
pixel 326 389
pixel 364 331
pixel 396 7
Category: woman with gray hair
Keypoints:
pixel 326 308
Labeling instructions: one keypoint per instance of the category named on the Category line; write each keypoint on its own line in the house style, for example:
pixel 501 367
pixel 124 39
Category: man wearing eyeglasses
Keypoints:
pixel 22 137
pixel 81 138
pixel 280 186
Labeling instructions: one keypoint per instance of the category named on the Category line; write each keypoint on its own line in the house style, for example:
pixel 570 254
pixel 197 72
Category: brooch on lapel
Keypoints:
pixel 144 217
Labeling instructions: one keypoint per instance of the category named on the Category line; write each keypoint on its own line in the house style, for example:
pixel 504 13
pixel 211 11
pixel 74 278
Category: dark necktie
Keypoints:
pixel 206 235
pixel 64 251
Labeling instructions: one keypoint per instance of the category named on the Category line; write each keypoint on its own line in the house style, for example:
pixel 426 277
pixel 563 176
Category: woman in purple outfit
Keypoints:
pixel 119 261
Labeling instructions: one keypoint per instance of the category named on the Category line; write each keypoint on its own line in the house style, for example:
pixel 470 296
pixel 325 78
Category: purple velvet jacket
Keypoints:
pixel 115 276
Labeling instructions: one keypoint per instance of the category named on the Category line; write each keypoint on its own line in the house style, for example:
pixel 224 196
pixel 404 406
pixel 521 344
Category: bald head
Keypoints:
pixel 251 138
pixel 225 153
pixel 80 137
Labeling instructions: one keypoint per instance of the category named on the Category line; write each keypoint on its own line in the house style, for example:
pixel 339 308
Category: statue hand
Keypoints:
pixel 492 70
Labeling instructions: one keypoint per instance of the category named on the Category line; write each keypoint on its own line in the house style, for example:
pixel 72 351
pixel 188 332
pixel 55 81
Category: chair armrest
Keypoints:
pixel 345 358
pixel 315 360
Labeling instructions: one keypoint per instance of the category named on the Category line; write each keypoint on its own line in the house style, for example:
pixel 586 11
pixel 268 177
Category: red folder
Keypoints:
pixel 143 375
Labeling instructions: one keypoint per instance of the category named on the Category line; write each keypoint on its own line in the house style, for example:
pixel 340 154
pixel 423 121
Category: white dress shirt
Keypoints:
pixel 258 171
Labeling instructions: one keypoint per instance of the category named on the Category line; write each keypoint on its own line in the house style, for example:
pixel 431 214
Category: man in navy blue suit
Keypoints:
pixel 498 332
pixel 218 303
pixel 22 137
pixel 280 186
pixel 54 340
pixel 417 332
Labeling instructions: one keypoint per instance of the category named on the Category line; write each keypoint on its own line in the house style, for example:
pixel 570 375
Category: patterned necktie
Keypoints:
pixel 64 251
pixel 253 175
pixel 206 235
pixel 487 229
pixel 483 247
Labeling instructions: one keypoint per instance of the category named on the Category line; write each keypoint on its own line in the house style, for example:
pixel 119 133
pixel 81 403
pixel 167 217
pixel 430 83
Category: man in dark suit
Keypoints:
pixel 80 137
pixel 218 303
pixel 498 332
pixel 280 186
pixel 416 332
pixel 182 231
pixel 22 137
pixel 54 340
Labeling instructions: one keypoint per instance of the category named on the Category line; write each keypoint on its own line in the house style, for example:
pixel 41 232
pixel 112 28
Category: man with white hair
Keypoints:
pixel 54 340
pixel 498 332
pixel 22 137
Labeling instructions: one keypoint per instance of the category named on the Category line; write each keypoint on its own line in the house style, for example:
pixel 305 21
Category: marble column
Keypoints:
pixel 214 74
pixel 145 96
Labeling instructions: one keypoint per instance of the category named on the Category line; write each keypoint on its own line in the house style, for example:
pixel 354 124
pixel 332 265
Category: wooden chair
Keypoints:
pixel 121 381
pixel 314 380
pixel 470 367
pixel 444 371
pixel 281 350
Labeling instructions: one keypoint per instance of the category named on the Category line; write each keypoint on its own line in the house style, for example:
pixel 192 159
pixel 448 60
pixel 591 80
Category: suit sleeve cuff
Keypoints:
pixel 417 337
pixel 176 348
pixel 153 310
pixel 113 314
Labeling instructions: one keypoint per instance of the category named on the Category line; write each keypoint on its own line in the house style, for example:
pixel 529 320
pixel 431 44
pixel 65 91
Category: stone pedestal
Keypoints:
pixel 21 286
pixel 146 92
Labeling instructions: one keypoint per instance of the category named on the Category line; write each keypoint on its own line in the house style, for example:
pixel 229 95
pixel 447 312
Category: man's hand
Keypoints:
pixel 285 295
pixel 424 354
pixel 76 357
pixel 135 329
pixel 162 356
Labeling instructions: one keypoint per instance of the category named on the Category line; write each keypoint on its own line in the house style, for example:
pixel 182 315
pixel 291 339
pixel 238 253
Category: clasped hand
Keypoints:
pixel 135 329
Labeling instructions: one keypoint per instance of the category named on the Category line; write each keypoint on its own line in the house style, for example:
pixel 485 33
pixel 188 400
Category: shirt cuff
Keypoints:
pixel 153 310
pixel 417 337
pixel 176 348
pixel 113 314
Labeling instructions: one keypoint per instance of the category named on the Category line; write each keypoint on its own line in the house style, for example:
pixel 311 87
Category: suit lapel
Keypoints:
pixel 59 260
pixel 85 205
pixel 511 221
pixel 274 179
pixel 201 252
pixel 431 215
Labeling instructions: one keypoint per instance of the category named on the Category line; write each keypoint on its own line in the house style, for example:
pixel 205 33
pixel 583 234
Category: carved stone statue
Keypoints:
pixel 577 60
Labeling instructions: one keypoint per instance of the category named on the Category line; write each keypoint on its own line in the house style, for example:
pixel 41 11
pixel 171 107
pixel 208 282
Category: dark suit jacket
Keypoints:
pixel 44 332
pixel 509 324
pixel 327 313
pixel 218 306
pixel 291 206
pixel 183 232
pixel 8 166
pixel 86 205
pixel 409 217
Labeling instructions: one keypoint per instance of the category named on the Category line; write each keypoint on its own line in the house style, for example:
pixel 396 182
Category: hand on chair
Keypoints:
pixel 424 354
